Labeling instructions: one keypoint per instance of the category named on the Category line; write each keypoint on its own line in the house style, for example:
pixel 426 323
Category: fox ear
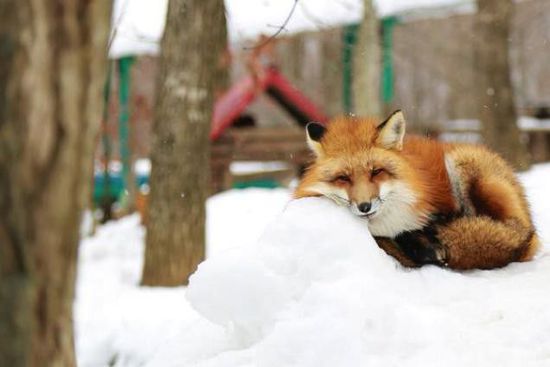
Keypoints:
pixel 392 131
pixel 315 132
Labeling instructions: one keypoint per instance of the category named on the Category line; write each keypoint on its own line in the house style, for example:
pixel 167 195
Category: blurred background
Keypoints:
pixel 426 65
pixel 139 137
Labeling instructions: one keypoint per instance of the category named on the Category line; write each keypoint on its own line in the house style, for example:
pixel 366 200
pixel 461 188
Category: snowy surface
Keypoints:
pixel 142 166
pixel 469 130
pixel 524 122
pixel 314 290
pixel 139 23
pixel 136 27
pixel 248 167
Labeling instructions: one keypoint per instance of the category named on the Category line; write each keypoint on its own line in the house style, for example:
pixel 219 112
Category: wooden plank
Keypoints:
pixel 294 158
pixel 244 136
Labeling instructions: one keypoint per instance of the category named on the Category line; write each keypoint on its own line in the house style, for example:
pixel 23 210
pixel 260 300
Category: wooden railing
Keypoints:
pixel 286 144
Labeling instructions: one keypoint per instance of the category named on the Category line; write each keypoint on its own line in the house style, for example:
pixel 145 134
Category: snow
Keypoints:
pixel 525 123
pixel 142 166
pixel 139 23
pixel 468 130
pixel 136 27
pixel 536 182
pixel 302 283
pixel 248 167
pixel 238 217
pixel 113 320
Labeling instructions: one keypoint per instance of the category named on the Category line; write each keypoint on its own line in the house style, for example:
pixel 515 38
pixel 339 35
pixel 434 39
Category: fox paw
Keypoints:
pixel 434 253
pixel 422 249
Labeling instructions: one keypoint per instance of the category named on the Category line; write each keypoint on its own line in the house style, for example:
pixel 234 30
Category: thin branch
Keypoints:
pixel 116 25
pixel 282 27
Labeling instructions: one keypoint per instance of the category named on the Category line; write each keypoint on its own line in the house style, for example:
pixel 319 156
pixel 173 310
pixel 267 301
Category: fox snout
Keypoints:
pixel 365 208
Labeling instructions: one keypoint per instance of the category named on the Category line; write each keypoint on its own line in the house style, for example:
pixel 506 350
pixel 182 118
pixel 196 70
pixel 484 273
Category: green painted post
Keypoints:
pixel 388 24
pixel 104 198
pixel 124 67
pixel 349 40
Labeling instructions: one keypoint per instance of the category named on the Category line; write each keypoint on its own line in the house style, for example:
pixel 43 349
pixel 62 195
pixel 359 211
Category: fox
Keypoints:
pixel 424 201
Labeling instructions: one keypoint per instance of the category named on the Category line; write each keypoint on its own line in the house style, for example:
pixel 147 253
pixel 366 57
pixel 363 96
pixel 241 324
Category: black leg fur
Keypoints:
pixel 422 246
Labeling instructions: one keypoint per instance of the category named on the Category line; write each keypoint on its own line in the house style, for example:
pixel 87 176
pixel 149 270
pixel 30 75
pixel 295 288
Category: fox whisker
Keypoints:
pixel 340 199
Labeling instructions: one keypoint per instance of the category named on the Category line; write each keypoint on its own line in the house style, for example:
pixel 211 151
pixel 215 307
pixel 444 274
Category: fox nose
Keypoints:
pixel 364 207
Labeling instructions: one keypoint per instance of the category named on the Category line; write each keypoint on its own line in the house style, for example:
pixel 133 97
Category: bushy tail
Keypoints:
pixel 483 243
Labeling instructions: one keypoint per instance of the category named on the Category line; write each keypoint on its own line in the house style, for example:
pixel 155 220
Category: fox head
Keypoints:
pixel 359 164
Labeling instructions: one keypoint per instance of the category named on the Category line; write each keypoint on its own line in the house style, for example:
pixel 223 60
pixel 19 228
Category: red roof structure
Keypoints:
pixel 233 103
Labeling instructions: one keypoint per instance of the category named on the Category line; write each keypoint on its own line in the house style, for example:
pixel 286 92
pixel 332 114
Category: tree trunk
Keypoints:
pixel 193 41
pixel 366 65
pixel 52 69
pixel 497 111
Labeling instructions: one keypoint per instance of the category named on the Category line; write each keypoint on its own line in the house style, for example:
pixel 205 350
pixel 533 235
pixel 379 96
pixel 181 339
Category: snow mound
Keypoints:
pixel 317 291
pixel 238 217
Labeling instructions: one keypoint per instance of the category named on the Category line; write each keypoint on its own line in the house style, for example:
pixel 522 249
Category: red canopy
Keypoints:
pixel 233 103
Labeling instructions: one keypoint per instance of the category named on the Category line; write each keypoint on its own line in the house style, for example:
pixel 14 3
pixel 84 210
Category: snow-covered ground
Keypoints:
pixel 303 284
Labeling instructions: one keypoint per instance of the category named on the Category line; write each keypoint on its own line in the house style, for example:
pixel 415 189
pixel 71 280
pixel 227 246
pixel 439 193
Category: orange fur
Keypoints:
pixel 360 161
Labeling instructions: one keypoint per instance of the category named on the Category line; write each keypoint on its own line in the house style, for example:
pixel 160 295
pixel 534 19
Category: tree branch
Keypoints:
pixel 274 35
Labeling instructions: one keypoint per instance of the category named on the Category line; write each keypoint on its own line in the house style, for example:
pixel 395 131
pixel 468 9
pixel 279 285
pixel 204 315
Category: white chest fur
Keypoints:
pixel 397 213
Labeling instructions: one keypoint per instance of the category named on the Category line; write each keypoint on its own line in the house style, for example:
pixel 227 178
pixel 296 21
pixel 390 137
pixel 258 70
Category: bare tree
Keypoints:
pixel 194 38
pixel 497 109
pixel 52 69
pixel 366 65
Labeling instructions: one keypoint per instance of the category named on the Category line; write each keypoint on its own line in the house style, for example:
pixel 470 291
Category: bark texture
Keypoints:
pixel 52 69
pixel 193 41
pixel 497 110
pixel 367 65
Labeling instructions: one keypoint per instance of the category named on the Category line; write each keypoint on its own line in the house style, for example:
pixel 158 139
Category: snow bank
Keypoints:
pixel 109 264
pixel 239 217
pixel 247 287
pixel 310 290
pixel 536 182
pixel 317 291
pixel 118 323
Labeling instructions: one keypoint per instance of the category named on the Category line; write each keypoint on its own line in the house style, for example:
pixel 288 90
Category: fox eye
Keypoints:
pixel 342 178
pixel 376 171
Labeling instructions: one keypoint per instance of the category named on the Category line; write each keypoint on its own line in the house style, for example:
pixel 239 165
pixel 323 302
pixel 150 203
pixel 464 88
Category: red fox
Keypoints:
pixel 424 201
